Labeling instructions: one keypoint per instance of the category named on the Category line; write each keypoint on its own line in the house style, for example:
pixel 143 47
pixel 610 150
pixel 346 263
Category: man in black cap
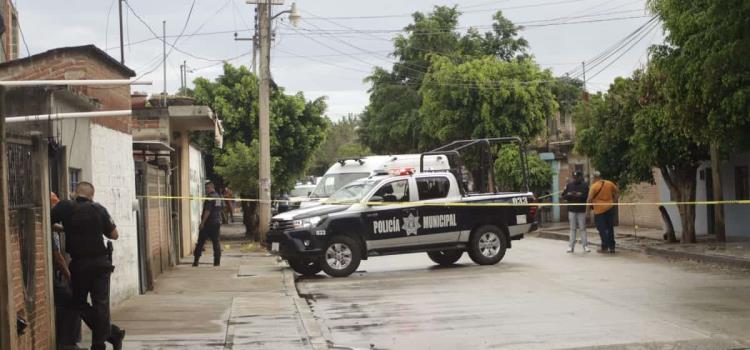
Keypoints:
pixel 576 192
pixel 210 225
pixel 85 223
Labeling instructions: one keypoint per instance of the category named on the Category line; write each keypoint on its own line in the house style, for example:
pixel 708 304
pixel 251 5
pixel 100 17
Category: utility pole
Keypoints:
pixel 264 137
pixel 122 42
pixel 254 39
pixel 583 64
pixel 255 42
pixel 164 58
pixel 263 127
pixel 182 78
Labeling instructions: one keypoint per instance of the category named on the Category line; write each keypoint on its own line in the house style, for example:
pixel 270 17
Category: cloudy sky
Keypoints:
pixel 337 42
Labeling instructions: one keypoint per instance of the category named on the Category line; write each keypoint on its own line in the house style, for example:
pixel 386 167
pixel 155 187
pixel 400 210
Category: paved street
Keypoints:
pixel 538 297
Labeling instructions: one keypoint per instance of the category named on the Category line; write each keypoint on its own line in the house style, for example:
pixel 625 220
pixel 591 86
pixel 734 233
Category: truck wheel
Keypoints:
pixel 445 257
pixel 341 256
pixel 305 267
pixel 487 245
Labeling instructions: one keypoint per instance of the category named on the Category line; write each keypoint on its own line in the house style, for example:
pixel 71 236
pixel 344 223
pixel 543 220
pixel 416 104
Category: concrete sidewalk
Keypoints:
pixel 734 253
pixel 250 302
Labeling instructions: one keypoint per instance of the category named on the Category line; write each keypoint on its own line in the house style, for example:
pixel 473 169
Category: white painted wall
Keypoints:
pixel 113 176
pixel 197 179
pixel 76 137
pixel 736 217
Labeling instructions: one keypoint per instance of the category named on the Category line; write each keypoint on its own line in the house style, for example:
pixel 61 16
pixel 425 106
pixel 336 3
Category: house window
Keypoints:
pixel 75 177
pixel 741 183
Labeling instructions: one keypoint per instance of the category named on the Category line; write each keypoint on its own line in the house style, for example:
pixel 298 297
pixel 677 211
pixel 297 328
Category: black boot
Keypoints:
pixel 116 337
pixel 195 261
pixel 217 260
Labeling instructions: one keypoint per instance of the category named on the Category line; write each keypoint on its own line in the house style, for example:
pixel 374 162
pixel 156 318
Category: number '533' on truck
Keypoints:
pixel 409 211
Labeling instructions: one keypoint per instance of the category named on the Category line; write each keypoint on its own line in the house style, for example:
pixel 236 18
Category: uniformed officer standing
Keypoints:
pixel 84 222
pixel 210 225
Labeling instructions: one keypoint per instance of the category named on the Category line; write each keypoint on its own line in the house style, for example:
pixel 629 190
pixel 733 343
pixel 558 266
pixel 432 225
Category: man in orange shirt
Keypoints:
pixel 603 194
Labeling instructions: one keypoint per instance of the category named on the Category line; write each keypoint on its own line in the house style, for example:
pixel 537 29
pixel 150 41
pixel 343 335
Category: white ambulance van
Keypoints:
pixel 347 170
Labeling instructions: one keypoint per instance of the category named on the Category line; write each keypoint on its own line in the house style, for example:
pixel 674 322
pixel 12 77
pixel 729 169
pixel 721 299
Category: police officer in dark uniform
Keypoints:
pixel 210 225
pixel 85 222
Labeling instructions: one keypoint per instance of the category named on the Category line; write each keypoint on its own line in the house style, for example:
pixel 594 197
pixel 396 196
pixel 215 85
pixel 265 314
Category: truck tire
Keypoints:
pixel 341 256
pixel 445 257
pixel 487 245
pixel 305 267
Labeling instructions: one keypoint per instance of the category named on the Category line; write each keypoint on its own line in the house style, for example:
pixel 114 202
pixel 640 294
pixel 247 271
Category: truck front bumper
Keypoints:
pixel 293 243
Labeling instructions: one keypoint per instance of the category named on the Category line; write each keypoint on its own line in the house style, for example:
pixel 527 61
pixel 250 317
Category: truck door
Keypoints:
pixel 393 224
pixel 439 223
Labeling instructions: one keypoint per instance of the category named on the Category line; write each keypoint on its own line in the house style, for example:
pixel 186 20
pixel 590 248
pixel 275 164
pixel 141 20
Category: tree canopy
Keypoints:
pixel 340 142
pixel 297 126
pixel 706 66
pixel 628 131
pixel 485 97
pixel 392 122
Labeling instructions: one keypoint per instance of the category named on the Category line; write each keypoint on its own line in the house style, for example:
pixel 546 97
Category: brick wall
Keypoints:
pixel 81 64
pixel 158 219
pixel 34 308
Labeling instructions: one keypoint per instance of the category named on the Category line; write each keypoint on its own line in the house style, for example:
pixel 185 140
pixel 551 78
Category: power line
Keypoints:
pixel 643 35
pixel 552 3
pixel 608 52
pixel 523 25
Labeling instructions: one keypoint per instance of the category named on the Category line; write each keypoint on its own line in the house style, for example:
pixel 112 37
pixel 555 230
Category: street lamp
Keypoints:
pixel 294 15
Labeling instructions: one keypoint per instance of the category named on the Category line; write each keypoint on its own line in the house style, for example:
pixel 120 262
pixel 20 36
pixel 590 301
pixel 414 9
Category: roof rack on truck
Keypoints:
pixel 486 182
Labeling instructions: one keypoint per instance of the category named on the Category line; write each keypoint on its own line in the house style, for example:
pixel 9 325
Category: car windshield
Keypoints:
pixel 301 191
pixel 353 192
pixel 330 183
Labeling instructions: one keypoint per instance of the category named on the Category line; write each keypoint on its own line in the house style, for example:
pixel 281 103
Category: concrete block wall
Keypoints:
pixel 113 175
pixel 642 215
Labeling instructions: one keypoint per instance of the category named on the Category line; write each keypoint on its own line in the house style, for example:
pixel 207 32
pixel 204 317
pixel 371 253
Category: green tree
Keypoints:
pixel 297 129
pixel 509 173
pixel 493 98
pixel 628 132
pixel 341 141
pixel 706 66
pixel 392 122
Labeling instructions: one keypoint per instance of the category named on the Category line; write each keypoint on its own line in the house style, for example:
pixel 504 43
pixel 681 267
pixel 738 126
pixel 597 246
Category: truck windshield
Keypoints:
pixel 353 192
pixel 330 183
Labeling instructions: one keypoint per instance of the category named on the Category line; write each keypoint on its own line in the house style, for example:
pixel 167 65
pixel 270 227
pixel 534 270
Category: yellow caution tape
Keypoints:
pixel 469 204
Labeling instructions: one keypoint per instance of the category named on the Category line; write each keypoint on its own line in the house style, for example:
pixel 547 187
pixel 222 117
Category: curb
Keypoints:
pixel 726 261
pixel 309 324
pixel 564 237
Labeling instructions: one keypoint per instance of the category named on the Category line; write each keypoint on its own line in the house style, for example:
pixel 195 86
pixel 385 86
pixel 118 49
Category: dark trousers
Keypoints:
pixel 67 318
pixel 605 224
pixel 208 232
pixel 90 278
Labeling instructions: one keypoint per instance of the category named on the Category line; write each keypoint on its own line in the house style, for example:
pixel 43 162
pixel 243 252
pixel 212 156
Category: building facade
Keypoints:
pixel 63 153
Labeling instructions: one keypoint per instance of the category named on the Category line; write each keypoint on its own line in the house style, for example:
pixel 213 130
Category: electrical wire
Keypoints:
pixel 552 3
pixel 652 28
pixel 106 27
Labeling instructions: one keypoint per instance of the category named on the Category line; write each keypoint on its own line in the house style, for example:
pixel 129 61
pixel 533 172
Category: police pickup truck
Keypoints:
pixel 398 213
